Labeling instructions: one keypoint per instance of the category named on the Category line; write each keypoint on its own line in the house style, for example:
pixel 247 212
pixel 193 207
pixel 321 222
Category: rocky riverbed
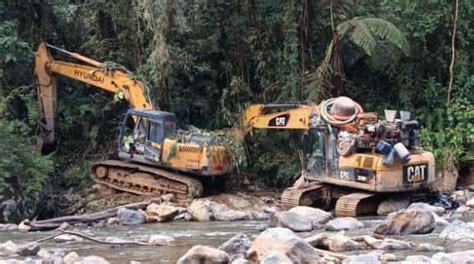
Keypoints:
pixel 236 228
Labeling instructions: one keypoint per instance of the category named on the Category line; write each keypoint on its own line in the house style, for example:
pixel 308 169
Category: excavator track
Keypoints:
pixel 145 180
pixel 356 204
pixel 294 196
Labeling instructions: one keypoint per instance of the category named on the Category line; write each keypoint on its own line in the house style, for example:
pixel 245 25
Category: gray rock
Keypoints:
pixel 71 258
pixel 200 210
pixel 416 259
pixel 8 248
pixel 369 258
pixel 408 221
pixel 334 242
pixel 426 207
pixel 237 246
pixel 295 222
pixel 343 223
pixel 392 205
pixel 94 260
pixel 460 257
pixel 130 217
pixel 439 220
pixel 463 209
pixel 204 255
pixel 162 212
pixel 160 240
pixel 275 258
pixel 223 213
pixel 427 247
pixel 283 241
pixel 458 231
pixel 317 216
pixel 29 249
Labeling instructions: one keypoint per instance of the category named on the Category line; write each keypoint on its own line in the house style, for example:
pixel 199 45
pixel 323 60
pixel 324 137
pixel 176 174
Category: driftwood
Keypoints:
pixel 53 223
pixel 100 241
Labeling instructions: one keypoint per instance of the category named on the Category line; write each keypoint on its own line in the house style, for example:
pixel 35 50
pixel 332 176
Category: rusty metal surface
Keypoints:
pixel 356 204
pixel 293 196
pixel 145 180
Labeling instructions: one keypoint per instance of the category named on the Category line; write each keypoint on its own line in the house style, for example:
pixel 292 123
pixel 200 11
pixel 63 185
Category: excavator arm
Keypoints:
pixel 91 72
pixel 274 116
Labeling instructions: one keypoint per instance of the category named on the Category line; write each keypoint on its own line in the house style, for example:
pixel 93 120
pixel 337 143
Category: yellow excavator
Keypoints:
pixel 152 158
pixel 352 159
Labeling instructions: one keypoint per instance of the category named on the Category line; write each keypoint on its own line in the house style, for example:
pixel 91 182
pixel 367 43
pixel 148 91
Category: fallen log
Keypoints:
pixel 48 224
pixel 96 240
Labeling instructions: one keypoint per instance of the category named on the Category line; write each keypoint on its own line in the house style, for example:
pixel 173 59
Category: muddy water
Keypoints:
pixel 188 234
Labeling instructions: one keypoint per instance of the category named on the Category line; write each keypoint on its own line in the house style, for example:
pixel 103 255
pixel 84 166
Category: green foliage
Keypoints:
pixel 78 176
pixel 22 169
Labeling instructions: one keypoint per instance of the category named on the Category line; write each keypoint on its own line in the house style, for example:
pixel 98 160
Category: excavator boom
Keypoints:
pixel 46 67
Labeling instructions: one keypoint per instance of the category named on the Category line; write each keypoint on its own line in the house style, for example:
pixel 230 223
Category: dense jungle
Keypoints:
pixel 205 60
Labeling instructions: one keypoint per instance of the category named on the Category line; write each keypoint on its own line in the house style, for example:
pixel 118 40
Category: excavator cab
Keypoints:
pixel 142 135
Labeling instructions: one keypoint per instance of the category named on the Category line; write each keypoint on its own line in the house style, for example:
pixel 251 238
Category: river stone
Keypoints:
pixel 458 230
pixel 71 258
pixel 417 259
pixel 23 227
pixel 460 257
pixel 29 249
pixel 317 216
pixel 388 257
pixel 426 207
pixel 66 238
pixel 112 222
pixel 427 247
pixel 439 220
pixel 275 258
pixel 343 223
pixel 463 209
pixel 369 258
pixel 461 196
pixel 162 212
pixel 284 241
pixel 199 208
pixel 130 217
pixel 160 240
pixel 8 227
pixel 204 255
pixel 8 248
pixel 294 221
pixel 237 246
pixel 392 205
pixel 406 222
pixel 221 212
pixel 334 242
pixel 94 260
pixel 470 203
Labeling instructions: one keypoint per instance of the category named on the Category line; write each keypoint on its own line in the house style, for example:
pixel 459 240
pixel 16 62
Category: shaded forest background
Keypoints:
pixel 205 60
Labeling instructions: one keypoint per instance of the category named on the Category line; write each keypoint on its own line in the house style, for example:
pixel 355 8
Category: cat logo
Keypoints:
pixel 279 121
pixel 415 173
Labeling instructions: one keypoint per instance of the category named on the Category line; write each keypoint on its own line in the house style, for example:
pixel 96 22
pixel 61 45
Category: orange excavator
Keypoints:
pixel 153 158
pixel 352 160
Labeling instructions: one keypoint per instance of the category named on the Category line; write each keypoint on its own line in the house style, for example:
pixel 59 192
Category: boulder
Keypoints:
pixel 274 257
pixel 221 212
pixel 66 238
pixel 8 227
pixel 160 240
pixel 470 203
pixel 237 246
pixel 392 205
pixel 417 259
pixel 200 210
pixel 294 221
pixel 463 209
pixel 427 247
pixel 406 222
pixel 317 216
pixel 29 249
pixel 285 242
pixel 203 255
pixel 460 257
pixel 458 231
pixel 334 242
pixel 23 227
pixel 369 258
pixel 439 220
pixel 343 223
pixel 426 207
pixel 94 260
pixel 161 212
pixel 112 221
pixel 461 196
pixel 71 258
pixel 130 217
pixel 260 216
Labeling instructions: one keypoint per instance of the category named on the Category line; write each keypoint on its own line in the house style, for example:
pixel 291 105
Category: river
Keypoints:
pixel 188 234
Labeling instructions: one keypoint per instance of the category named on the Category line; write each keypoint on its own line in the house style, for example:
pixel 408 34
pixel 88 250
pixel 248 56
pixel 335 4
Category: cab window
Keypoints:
pixel 155 132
